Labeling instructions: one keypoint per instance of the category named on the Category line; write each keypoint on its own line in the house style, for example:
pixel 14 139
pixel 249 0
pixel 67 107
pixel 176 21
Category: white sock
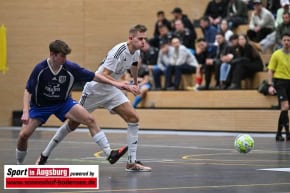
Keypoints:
pixel 57 138
pixel 132 139
pixel 101 139
pixel 20 156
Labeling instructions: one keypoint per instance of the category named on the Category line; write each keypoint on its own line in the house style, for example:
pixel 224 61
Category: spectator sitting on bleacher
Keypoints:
pixel 164 35
pixel 261 24
pixel 284 8
pixel 186 36
pixel 200 54
pixel 215 11
pixel 237 13
pixel 179 15
pixel 224 28
pixel 228 57
pixel 208 30
pixel 274 39
pixel 148 54
pixel 161 20
pixel 182 61
pixel 162 63
pixel 213 64
pixel 248 63
pixel 283 28
pixel 144 84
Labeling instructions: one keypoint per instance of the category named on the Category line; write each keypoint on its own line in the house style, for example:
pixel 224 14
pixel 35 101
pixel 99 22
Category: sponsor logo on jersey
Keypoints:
pixel 61 79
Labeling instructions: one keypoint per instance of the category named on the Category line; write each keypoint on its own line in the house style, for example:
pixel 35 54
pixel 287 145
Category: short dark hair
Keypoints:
pixel 205 18
pixel 177 10
pixel 200 40
pixel 137 28
pixel 160 13
pixel 220 33
pixel 234 37
pixel 286 13
pixel 59 46
pixel 285 34
pixel 162 26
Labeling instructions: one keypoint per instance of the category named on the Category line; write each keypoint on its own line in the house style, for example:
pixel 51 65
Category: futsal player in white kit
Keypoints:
pixel 95 95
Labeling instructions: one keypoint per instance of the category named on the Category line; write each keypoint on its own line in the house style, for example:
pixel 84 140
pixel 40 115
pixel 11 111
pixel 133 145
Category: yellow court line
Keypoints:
pixel 185 187
pixel 98 154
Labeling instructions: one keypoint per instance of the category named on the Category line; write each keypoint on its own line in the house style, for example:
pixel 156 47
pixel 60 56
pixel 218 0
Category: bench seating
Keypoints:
pixel 189 80
pixel 192 120
pixel 243 110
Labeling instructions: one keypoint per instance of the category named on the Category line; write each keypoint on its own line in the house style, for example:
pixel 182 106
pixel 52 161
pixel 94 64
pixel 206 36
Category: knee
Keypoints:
pixel 132 119
pixel 88 121
pixel 285 107
pixel 23 136
pixel 72 125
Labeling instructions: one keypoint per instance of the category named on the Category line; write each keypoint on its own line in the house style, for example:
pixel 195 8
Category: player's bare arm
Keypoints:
pixel 26 101
pixel 103 78
pixel 271 90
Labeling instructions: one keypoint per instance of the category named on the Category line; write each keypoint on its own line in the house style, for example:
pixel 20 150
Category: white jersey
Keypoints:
pixel 118 60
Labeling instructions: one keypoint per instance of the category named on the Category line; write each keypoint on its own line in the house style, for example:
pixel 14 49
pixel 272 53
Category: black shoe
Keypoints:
pixel 287 137
pixel 223 86
pixel 203 88
pixel 234 87
pixel 171 88
pixel 42 160
pixel 116 154
pixel 279 138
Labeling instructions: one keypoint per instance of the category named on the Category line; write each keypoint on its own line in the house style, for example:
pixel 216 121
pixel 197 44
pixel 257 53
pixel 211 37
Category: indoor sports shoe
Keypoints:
pixel 137 167
pixel 41 160
pixel 116 154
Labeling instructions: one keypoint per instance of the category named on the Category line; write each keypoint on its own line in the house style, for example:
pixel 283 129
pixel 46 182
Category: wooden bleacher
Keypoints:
pixel 189 80
pixel 244 110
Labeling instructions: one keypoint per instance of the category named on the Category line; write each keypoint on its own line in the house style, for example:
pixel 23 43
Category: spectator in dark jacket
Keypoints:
pixel 161 20
pixel 237 13
pixel 178 14
pixel 215 11
pixel 247 65
pixel 186 36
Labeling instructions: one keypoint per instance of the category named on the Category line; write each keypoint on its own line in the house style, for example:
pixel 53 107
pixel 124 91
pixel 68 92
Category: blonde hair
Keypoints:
pixel 137 28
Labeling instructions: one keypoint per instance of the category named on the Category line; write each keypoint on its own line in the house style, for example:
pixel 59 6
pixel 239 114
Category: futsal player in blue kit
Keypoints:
pixel 119 59
pixel 48 92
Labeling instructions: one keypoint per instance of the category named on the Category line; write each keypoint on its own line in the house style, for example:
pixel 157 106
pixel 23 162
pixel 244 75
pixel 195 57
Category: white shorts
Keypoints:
pixel 108 99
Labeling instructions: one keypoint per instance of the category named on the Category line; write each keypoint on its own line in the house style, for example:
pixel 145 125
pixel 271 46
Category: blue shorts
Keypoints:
pixel 43 113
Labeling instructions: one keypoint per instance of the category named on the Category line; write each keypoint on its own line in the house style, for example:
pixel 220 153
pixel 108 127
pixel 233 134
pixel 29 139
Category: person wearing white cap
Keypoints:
pixel 284 8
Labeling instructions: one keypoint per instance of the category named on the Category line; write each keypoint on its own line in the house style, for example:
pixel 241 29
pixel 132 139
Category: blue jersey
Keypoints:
pixel 48 88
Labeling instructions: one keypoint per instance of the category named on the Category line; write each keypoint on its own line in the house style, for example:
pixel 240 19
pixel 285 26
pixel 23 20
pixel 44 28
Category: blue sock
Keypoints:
pixel 137 100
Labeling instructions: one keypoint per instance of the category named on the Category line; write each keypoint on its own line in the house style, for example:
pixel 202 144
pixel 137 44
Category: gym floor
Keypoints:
pixel 182 162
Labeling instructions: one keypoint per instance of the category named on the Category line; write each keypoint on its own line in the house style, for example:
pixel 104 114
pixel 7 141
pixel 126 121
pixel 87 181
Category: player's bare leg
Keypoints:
pixel 22 141
pixel 128 113
pixel 79 115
